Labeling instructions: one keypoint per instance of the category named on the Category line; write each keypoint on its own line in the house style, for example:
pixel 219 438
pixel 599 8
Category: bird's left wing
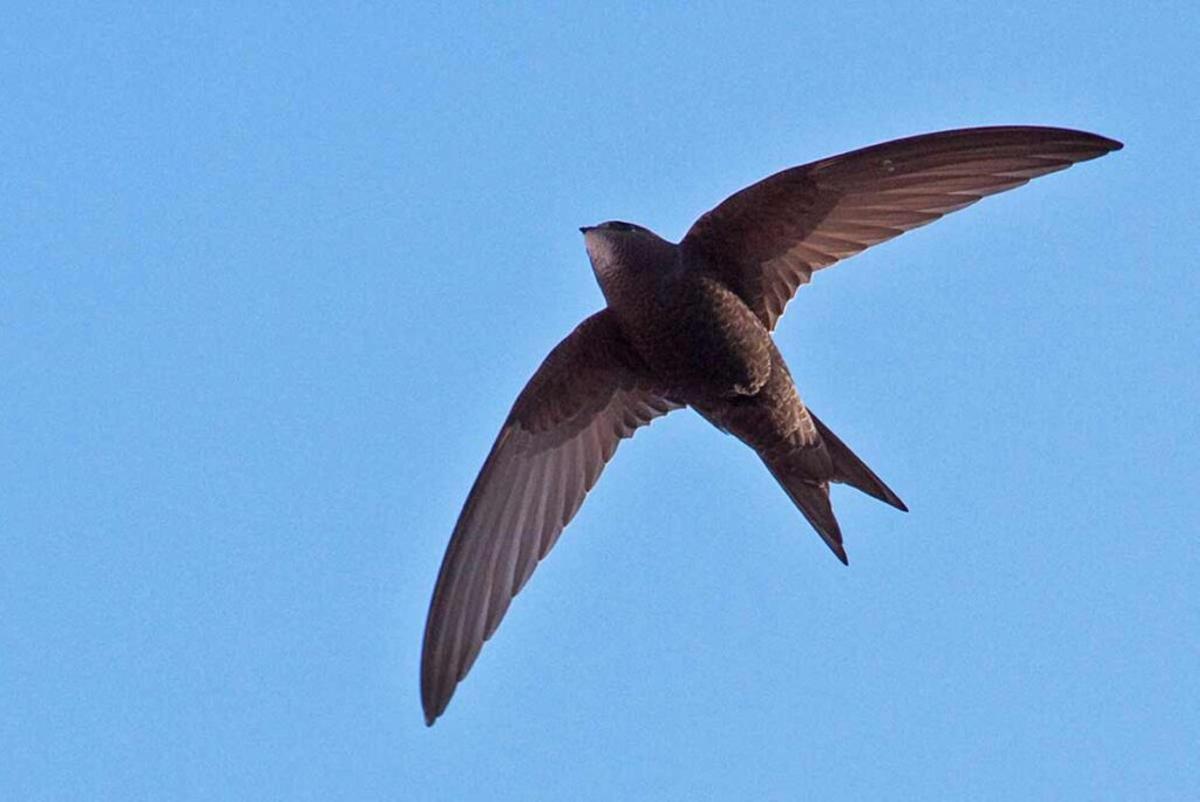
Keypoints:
pixel 591 392
pixel 769 238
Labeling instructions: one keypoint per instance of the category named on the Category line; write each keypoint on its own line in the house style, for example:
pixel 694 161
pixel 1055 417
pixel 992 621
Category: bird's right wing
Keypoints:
pixel 591 392
pixel 767 239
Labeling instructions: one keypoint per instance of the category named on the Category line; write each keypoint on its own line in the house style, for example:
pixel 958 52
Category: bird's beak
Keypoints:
pixel 585 229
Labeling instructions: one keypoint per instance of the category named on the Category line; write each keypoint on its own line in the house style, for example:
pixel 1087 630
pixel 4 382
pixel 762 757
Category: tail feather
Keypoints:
pixel 812 497
pixel 851 470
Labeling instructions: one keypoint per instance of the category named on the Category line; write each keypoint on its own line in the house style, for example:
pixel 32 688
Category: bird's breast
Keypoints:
pixel 698 335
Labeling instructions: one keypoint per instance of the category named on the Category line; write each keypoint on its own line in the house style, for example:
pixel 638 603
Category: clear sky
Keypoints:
pixel 271 277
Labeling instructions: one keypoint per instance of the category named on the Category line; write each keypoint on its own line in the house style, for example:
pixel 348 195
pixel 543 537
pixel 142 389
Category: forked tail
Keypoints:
pixel 811 493
pixel 849 469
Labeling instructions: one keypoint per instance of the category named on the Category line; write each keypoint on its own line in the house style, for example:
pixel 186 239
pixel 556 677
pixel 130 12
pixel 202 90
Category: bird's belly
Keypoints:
pixel 704 340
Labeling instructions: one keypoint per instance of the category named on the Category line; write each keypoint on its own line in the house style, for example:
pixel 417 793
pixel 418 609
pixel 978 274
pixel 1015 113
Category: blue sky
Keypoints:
pixel 271 279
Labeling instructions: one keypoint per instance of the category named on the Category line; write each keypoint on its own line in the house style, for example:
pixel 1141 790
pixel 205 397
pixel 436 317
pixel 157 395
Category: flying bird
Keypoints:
pixel 689 324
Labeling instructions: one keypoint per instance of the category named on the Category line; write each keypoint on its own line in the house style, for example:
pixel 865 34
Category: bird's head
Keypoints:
pixel 620 251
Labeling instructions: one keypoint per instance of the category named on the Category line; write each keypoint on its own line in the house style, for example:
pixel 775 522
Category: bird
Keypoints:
pixel 689 325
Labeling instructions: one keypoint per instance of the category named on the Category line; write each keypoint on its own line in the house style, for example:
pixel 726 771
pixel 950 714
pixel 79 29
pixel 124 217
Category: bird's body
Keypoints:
pixel 690 324
pixel 708 350
pixel 693 332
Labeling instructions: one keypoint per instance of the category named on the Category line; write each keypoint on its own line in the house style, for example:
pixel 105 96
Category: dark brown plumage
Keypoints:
pixel 689 325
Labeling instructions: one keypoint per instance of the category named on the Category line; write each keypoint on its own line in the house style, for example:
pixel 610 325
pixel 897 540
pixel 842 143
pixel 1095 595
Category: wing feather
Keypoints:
pixel 768 239
pixel 591 392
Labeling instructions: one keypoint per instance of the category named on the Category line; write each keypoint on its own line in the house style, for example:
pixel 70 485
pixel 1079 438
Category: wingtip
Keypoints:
pixel 430 708
pixel 892 500
pixel 1104 143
